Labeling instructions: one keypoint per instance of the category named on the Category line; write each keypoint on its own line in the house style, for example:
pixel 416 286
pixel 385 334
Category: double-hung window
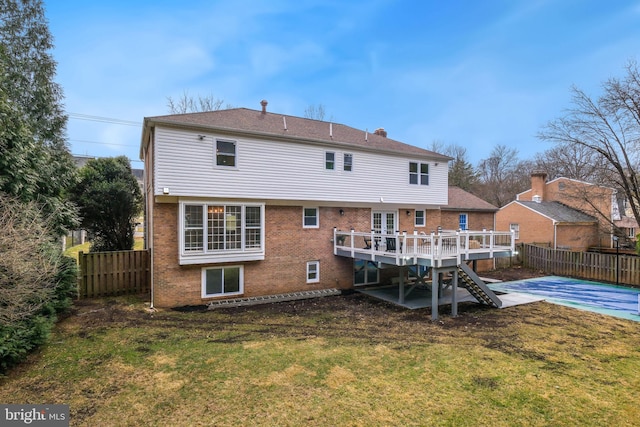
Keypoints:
pixel 310 218
pixel 225 153
pixel 419 173
pixel 463 223
pixel 219 232
pixel 348 162
pixel 329 160
pixel 516 230
pixel 313 271
pixel 419 218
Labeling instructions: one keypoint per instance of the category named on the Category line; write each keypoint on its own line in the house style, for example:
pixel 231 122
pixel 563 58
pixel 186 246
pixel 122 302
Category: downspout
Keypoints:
pixel 149 233
pixel 555 235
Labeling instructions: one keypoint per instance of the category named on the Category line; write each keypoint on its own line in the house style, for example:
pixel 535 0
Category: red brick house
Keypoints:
pixel 248 203
pixel 562 213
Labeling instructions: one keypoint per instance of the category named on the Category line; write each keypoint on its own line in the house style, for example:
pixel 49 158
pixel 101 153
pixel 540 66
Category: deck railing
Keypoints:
pixel 435 246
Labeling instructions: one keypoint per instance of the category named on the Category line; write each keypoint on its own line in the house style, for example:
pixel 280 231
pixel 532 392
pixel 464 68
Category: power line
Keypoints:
pixel 97 157
pixel 103 143
pixel 103 119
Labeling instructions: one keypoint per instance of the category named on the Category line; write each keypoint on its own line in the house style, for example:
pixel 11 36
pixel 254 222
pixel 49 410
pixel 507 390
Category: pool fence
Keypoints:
pixel 612 268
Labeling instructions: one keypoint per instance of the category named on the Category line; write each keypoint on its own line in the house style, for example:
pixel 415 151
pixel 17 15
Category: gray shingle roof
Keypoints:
pixel 559 212
pixel 244 120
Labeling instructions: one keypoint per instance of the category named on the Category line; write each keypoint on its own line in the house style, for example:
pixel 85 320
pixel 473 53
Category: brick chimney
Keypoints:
pixel 381 132
pixel 264 106
pixel 538 185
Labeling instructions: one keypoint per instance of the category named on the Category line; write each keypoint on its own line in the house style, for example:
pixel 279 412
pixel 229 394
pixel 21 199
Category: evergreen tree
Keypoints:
pixel 110 200
pixel 38 165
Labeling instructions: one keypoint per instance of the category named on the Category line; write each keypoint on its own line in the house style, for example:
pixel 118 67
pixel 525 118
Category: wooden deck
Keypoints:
pixel 444 249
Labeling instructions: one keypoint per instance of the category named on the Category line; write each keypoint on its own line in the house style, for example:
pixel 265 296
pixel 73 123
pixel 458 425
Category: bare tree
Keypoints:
pixel 609 128
pixel 315 112
pixel 572 161
pixel 189 104
pixel 502 176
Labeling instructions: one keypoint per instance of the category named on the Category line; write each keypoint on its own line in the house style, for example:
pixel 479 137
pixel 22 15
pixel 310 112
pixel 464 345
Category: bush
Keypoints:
pixel 36 281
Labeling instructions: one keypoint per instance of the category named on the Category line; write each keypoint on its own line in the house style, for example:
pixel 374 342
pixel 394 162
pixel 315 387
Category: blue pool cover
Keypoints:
pixel 613 300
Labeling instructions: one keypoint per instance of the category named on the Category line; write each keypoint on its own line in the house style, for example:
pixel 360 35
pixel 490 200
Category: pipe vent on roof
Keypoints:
pixel 264 106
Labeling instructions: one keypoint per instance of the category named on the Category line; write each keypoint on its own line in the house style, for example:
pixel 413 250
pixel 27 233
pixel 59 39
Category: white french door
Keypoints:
pixel 384 222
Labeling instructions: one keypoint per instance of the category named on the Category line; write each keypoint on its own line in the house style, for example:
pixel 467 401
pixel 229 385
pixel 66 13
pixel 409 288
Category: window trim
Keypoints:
pixel 466 219
pixel 327 161
pixel 203 283
pixel 317 271
pixel 515 227
pixel 235 154
pixel 418 175
pixel 344 162
pixel 206 256
pixel 317 216
pixel 424 218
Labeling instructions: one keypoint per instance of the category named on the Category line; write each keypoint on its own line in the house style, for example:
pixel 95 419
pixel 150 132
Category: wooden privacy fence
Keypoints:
pixel 623 269
pixel 113 273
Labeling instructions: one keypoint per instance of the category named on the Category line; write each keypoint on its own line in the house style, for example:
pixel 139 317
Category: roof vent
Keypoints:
pixel 264 106
pixel 381 132
pixel 537 198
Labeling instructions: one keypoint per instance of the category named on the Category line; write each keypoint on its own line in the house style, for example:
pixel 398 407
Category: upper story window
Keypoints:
pixel 330 160
pixel 221 232
pixel 225 153
pixel 419 218
pixel 310 218
pixel 463 222
pixel 418 173
pixel 348 162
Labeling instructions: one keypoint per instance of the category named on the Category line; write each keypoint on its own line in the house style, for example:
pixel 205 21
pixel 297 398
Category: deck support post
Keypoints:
pixel 401 288
pixel 454 293
pixel 435 286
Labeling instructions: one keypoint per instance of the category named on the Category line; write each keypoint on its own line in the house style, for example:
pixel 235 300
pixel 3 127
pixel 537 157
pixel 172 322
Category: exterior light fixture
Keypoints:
pixel 341 212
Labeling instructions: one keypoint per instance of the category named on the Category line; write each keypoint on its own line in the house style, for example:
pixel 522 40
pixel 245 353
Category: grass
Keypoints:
pixel 73 251
pixel 345 360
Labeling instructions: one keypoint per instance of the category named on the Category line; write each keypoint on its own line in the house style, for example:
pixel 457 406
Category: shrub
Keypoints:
pixel 36 281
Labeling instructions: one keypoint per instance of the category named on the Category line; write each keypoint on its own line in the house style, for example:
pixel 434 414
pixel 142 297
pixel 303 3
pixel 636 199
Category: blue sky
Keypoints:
pixel 471 73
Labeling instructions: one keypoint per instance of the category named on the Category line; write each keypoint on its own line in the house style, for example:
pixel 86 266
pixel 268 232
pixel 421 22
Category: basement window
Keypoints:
pixel 222 281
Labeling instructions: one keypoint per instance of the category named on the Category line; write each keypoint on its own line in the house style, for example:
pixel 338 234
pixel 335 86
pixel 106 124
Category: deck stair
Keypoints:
pixel 476 287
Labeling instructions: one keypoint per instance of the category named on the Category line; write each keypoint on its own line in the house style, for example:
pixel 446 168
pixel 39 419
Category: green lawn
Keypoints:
pixel 73 251
pixel 335 361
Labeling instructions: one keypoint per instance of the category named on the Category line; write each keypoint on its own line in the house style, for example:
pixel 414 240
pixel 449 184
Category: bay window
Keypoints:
pixel 218 232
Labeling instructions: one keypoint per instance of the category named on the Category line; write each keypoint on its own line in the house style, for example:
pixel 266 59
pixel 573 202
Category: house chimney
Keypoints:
pixel 381 132
pixel 538 185
pixel 264 106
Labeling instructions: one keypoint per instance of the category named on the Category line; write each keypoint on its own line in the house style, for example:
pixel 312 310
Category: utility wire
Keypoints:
pixel 103 119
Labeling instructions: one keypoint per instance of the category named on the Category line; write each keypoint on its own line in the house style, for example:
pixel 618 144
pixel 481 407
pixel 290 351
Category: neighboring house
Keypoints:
pixel 562 213
pixel 247 203
pixel 548 223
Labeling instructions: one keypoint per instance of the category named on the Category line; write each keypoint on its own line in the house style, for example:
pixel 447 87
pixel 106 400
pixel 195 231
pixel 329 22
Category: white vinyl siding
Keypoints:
pixel 279 170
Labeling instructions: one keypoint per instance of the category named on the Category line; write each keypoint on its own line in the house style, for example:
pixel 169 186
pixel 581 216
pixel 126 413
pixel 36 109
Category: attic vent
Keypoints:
pixel 381 132
pixel 537 198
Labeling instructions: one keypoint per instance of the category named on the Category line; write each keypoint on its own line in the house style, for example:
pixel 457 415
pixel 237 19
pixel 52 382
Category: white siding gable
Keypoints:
pixel 279 170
